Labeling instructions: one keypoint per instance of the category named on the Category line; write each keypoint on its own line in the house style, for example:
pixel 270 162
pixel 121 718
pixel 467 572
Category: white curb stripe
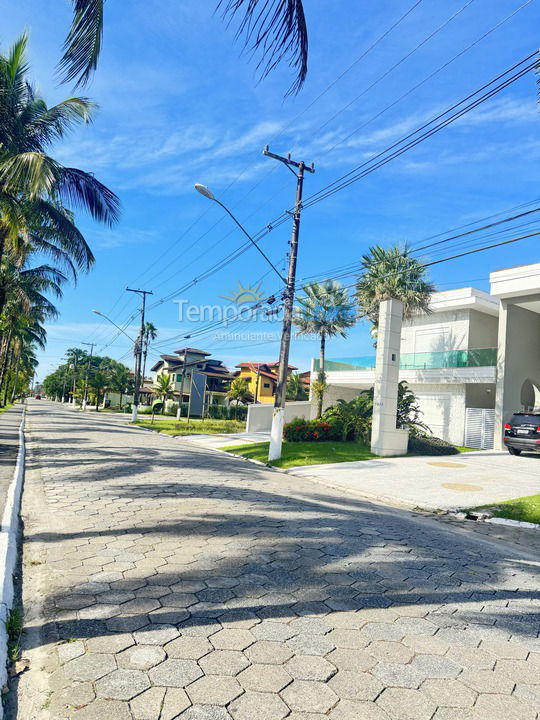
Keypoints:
pixel 8 551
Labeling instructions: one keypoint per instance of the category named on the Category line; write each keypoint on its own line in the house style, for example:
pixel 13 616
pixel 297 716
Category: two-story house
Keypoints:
pixel 198 380
pixel 261 379
pixel 448 358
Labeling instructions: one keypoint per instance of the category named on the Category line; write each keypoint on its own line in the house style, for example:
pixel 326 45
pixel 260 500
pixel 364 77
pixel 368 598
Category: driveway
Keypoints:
pixel 164 581
pixel 435 483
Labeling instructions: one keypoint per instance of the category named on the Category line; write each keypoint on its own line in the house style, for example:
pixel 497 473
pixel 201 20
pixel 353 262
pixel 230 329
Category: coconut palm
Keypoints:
pixel 275 28
pixel 164 388
pixel 326 311
pixel 239 392
pixel 149 334
pixel 392 273
pixel 296 390
pixel 37 191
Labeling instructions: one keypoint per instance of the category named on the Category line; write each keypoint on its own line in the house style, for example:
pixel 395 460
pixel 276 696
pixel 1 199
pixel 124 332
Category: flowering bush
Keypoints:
pixel 300 430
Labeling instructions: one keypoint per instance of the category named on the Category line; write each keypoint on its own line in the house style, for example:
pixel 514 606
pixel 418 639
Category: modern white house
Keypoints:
pixel 472 361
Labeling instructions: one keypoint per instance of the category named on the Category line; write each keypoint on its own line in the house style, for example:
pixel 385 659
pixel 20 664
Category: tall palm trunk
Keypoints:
pixel 6 383
pixel 6 346
pixel 322 375
pixel 16 379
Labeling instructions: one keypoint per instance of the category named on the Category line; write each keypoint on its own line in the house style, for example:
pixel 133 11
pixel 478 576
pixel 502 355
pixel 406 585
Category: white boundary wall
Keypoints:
pixel 8 551
pixel 259 417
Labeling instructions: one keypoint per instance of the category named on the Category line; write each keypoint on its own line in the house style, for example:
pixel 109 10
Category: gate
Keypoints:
pixel 479 428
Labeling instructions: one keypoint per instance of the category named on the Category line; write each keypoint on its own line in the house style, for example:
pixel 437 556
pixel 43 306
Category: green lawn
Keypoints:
pixel 305 453
pixel 9 405
pixel 465 449
pixel 526 509
pixel 172 426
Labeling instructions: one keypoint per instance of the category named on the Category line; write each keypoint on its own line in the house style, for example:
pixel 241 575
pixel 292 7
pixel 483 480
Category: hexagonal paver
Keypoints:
pixel 147 706
pixel 214 690
pixel 426 644
pixel 449 693
pixel 406 704
pixel 262 706
pixel 139 606
pixel 306 696
pixel 310 667
pixel 390 651
pixel 190 648
pixel 232 639
pixel 502 707
pixel 355 710
pixel 91 666
pixel 110 643
pixel 487 681
pixel 268 653
pixel 104 710
pixel 304 644
pixel 204 712
pixel 175 701
pixel 264 678
pixel 435 666
pixel 175 673
pixel 269 630
pixel 156 634
pixel 398 675
pixel 140 657
pixel 353 660
pixel 224 662
pixel 122 685
pixel 355 686
pixel 70 650
pixel 345 638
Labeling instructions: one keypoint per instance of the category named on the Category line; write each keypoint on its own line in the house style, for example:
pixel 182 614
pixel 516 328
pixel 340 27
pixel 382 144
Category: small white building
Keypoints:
pixel 464 359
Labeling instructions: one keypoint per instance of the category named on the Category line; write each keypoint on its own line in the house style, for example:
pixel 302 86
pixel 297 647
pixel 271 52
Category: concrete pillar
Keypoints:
pixel 386 439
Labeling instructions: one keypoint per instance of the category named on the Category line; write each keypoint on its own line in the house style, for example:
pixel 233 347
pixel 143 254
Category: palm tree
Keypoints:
pixel 239 392
pixel 35 189
pixel 392 273
pixel 296 389
pixel 165 388
pixel 149 334
pixel 326 311
pixel 275 28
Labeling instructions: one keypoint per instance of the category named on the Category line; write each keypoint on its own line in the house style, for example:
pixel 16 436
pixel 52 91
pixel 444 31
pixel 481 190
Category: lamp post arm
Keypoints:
pixel 252 241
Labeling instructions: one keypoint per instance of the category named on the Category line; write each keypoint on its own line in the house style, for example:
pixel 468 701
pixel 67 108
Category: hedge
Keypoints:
pixel 300 430
pixel 427 445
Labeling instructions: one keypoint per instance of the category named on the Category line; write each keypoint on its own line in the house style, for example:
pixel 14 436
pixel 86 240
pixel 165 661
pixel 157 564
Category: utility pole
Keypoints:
pixel 278 417
pixel 85 393
pixel 138 351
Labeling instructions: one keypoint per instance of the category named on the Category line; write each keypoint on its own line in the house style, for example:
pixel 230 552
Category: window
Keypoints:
pixel 266 385
pixel 179 378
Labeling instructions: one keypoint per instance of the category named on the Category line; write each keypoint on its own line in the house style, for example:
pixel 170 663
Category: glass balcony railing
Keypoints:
pixel 478 357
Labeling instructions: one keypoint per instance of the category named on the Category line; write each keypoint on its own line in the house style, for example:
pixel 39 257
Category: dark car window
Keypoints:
pixel 525 419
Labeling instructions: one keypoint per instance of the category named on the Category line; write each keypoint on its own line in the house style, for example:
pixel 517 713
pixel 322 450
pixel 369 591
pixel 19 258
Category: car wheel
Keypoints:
pixel 514 451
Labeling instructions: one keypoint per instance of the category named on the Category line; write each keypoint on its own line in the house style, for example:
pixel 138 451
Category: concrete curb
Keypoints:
pixel 8 551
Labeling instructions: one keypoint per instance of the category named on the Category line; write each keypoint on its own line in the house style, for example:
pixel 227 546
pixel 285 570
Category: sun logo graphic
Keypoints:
pixel 245 294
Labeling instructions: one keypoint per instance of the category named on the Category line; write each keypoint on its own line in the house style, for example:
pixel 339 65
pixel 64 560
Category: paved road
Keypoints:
pixel 179 583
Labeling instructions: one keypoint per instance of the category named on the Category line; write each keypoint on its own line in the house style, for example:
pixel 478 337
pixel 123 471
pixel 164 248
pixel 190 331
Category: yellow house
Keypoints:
pixel 261 379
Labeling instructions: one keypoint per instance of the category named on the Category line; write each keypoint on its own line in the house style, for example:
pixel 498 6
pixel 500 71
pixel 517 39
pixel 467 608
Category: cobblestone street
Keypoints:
pixel 164 581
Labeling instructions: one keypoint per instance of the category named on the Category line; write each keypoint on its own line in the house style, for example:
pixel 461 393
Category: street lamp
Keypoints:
pixel 203 190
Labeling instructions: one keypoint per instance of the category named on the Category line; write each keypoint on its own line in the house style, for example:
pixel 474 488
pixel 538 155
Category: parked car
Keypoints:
pixel 38 397
pixel 522 433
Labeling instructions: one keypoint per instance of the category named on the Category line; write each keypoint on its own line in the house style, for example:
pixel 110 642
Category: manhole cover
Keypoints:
pixel 461 487
pixel 442 463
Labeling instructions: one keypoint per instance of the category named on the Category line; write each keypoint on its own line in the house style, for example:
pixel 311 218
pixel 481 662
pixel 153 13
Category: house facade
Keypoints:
pixel 261 379
pixel 197 379
pixel 472 361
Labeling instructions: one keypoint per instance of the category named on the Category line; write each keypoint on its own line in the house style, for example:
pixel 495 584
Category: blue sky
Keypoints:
pixel 180 104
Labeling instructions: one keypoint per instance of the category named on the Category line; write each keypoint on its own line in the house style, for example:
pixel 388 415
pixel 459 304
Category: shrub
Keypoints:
pixel 300 430
pixel 227 412
pixel 428 445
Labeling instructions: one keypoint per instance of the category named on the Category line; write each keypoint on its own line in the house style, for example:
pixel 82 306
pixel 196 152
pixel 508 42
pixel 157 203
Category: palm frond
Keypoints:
pixel 83 43
pixel 83 190
pixel 33 173
pixel 53 123
pixel 277 30
pixel 69 237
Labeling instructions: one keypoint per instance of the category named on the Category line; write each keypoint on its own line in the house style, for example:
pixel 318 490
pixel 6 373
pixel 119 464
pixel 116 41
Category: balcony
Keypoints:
pixel 478 357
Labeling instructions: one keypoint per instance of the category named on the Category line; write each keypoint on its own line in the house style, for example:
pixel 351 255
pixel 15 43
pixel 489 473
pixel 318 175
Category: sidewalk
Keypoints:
pixel 10 421
pixel 163 581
